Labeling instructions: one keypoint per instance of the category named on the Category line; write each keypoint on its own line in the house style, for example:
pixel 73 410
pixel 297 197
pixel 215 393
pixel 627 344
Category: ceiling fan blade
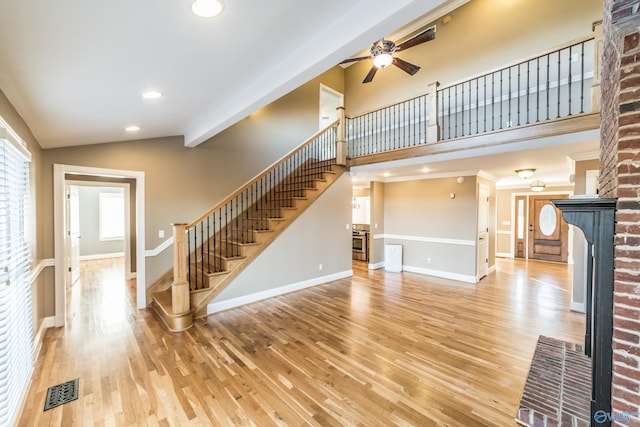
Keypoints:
pixel 371 74
pixel 425 36
pixel 359 58
pixel 405 66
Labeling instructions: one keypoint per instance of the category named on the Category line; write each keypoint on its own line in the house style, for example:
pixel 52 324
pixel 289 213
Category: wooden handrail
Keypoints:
pixel 259 176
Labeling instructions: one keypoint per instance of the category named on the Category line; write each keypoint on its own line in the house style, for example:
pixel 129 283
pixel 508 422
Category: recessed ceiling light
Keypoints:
pixel 207 8
pixel 132 128
pixel 152 94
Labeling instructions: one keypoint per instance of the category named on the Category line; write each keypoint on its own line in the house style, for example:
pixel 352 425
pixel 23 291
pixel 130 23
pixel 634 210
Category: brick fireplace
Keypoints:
pixel 620 178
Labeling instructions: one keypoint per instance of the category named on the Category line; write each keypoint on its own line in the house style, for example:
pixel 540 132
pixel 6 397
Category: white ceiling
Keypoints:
pixel 75 69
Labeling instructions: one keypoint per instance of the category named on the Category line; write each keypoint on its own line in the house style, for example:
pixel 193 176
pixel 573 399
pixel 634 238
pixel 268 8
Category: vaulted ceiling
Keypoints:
pixel 75 69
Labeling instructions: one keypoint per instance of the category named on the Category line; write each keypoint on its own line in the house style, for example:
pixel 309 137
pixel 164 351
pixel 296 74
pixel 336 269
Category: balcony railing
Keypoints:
pixel 554 85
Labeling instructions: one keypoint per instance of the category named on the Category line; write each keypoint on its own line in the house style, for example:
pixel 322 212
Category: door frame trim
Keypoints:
pixel 59 172
pixel 513 221
pixel 127 221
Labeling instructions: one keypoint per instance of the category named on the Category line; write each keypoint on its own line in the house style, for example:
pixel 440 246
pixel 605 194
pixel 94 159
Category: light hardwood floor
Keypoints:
pixel 376 349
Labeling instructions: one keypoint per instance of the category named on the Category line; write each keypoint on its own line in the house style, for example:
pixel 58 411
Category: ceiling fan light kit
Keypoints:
pixel 382 60
pixel 382 54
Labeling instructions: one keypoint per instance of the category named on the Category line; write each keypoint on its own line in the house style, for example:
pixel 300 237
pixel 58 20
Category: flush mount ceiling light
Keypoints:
pixel 207 8
pixel 133 128
pixel 537 186
pixel 152 94
pixel 525 173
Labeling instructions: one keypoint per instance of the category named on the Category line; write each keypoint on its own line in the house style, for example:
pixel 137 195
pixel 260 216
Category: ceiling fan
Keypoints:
pixel 382 54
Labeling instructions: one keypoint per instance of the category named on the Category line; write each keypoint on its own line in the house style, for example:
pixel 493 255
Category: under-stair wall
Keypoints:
pixel 293 261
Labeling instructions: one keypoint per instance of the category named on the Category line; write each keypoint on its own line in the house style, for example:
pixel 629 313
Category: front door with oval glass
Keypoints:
pixel 548 232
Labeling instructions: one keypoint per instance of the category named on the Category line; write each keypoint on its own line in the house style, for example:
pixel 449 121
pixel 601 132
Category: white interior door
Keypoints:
pixel 330 100
pixel 73 234
pixel 483 231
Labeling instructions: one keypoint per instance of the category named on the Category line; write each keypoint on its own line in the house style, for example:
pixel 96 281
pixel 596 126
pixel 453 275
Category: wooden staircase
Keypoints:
pixel 233 247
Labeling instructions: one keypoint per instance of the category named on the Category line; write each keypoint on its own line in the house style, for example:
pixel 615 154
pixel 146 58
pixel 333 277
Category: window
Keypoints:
pixel 16 323
pixel 112 216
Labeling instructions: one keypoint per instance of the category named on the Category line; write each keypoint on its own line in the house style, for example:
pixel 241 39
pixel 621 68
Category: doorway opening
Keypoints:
pixel 98 221
pixel 61 258
pixel 330 100
pixel 540 231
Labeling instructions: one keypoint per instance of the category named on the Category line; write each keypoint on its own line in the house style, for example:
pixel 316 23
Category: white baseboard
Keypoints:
pixel 578 306
pixel 101 256
pixel 47 322
pixel 376 265
pixel 504 255
pixel 216 307
pixel 441 274
pixel 489 271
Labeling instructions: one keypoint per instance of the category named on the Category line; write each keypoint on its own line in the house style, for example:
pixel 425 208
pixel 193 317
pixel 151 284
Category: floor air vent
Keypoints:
pixel 60 394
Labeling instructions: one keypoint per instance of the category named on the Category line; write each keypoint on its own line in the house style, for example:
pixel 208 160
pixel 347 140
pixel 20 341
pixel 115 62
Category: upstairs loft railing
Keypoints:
pixel 202 247
pixel 554 85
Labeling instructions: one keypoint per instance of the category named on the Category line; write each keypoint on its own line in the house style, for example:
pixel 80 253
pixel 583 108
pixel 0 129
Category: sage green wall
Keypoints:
pixel 483 35
pixel 90 243
pixel 182 183
pixel 42 288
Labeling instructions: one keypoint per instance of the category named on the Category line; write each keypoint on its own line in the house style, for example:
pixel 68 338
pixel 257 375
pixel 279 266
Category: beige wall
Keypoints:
pixel 182 183
pixel 418 212
pixel 294 258
pixel 42 289
pixel 581 174
pixel 483 35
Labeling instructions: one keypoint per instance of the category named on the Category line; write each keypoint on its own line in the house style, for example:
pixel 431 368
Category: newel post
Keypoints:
pixel 341 140
pixel 433 128
pixel 180 286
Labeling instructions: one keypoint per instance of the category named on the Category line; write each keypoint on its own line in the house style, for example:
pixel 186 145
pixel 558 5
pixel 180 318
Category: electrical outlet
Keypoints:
pixel 161 234
pixel 320 267
pixel 428 260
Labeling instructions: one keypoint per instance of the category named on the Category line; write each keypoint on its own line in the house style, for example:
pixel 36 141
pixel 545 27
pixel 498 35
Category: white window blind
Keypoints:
pixel 16 324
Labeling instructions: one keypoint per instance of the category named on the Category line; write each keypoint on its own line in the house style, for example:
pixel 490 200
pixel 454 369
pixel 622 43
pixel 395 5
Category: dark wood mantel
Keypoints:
pixel 596 218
